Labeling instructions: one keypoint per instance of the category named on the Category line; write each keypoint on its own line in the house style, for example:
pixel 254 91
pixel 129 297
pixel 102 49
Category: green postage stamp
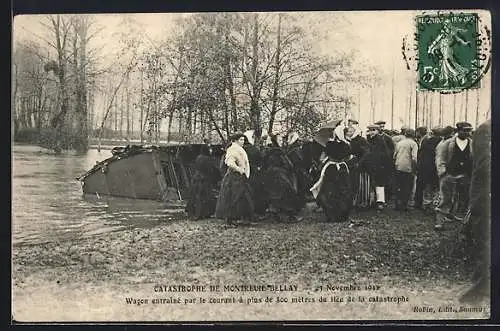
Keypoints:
pixel 452 51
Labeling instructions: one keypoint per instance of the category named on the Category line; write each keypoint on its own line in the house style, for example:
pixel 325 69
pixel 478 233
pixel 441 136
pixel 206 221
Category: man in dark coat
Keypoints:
pixel 390 144
pixel 427 179
pixel 420 135
pixel 378 163
pixel 478 221
pixel 296 156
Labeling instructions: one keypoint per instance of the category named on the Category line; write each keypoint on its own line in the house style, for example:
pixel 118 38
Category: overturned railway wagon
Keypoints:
pixel 160 173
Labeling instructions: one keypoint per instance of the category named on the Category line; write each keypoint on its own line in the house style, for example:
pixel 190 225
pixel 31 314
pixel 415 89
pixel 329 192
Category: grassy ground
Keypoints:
pixel 89 279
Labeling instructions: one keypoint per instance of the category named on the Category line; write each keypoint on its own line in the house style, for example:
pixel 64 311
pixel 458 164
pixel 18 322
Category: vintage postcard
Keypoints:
pixel 251 166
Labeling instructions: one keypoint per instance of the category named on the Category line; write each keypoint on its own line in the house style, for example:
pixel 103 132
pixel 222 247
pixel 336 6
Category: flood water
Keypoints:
pixel 48 203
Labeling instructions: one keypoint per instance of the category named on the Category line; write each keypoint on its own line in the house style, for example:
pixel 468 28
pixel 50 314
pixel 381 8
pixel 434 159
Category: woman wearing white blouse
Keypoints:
pixel 235 200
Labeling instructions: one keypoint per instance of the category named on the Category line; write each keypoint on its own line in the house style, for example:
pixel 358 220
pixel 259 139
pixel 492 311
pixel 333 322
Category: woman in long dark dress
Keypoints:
pixel 296 156
pixel 360 178
pixel 235 200
pixel 202 200
pixel 256 179
pixel 280 182
pixel 333 191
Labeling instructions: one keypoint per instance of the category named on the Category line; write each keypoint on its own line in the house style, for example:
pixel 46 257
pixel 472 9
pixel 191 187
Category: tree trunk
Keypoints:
pixel 170 118
pixel 15 121
pixel 122 114
pixel 277 65
pixel 466 104
pixel 40 109
pixel 57 122
pixel 214 122
pixel 117 88
pixel 81 27
pixel 255 113
pixel 230 84
pixel 202 124
pixel 128 107
pixel 226 118
pixel 142 108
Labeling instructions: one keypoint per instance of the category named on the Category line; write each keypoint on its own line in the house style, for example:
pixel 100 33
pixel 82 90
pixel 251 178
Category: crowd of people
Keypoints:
pixel 445 171
pixel 410 168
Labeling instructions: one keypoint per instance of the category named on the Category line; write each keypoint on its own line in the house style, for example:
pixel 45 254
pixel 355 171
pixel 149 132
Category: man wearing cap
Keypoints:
pixel 391 145
pixel 387 137
pixel 405 159
pixel 446 133
pixel 420 134
pixel 352 122
pixel 378 163
pixel 427 179
pixel 398 137
pixel 454 169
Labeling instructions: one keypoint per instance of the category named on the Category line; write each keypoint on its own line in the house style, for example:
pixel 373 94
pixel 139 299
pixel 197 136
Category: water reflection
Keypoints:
pixel 48 204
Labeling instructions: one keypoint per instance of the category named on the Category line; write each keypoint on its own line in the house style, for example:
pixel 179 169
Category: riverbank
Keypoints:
pixel 89 278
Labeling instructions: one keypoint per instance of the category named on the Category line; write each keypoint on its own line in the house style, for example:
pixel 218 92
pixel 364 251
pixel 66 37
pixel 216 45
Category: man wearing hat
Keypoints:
pixel 454 169
pixel 446 133
pixel 400 136
pixel 378 163
pixel 420 134
pixel 352 122
pixel 381 125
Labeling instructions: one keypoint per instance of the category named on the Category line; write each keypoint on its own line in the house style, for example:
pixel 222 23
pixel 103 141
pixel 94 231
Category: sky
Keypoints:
pixel 377 36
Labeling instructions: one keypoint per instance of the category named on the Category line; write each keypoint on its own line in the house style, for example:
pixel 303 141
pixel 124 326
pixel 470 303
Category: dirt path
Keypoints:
pixel 91 278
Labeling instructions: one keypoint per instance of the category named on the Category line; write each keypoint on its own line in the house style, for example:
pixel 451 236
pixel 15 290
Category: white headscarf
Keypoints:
pixel 250 134
pixel 357 132
pixel 339 131
pixel 293 137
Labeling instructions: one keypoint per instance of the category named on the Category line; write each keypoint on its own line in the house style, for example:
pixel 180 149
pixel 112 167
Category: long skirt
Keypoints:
pixel 365 195
pixel 336 195
pixel 282 191
pixel 235 200
pixel 258 192
pixel 202 198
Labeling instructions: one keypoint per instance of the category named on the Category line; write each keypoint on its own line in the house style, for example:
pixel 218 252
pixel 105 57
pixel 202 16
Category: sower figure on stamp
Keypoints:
pixel 478 221
pixel 451 73
pixel 454 168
